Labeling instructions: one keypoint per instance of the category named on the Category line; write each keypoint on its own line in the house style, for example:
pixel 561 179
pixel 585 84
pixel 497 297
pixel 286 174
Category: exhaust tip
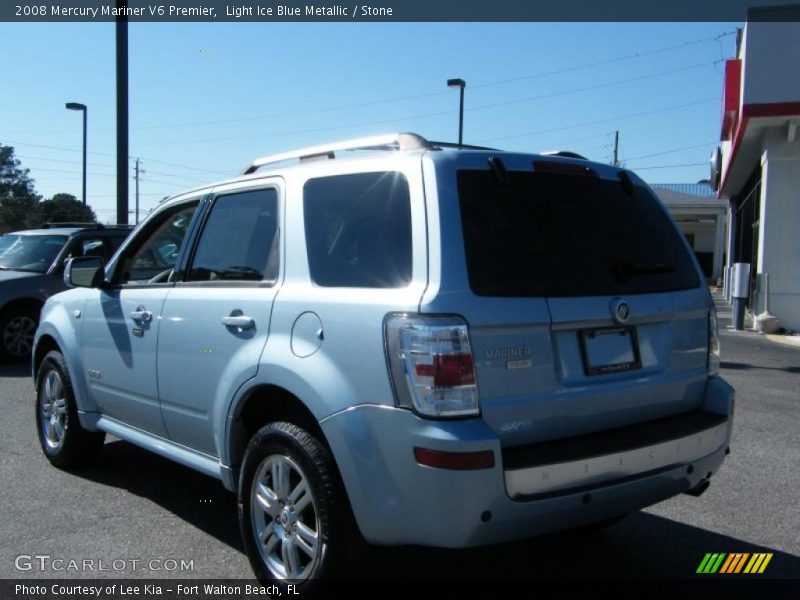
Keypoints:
pixel 699 489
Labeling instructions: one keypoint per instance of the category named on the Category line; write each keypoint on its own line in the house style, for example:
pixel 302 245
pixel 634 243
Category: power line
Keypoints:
pixel 671 151
pixel 170 164
pixel 72 162
pixel 432 114
pixel 177 176
pixel 705 164
pixel 301 131
pixel 608 61
pixel 599 121
pixel 191 179
pixel 148 180
pixel 591 137
pixel 33 171
pixel 593 87
pixel 62 148
pixel 17 143
pixel 578 67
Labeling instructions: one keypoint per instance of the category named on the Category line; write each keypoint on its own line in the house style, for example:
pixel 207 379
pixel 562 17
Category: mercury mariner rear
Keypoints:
pixel 562 368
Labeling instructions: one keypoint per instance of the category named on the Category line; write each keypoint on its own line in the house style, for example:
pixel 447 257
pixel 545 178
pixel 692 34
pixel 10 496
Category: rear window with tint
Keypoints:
pixel 358 230
pixel 555 234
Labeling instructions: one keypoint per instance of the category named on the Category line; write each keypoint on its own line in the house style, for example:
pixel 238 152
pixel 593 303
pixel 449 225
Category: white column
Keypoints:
pixel 779 243
pixel 719 247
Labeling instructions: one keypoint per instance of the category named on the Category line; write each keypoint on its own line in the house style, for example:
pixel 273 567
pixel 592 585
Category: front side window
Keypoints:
pixel 154 259
pixel 358 230
pixel 32 253
pixel 239 241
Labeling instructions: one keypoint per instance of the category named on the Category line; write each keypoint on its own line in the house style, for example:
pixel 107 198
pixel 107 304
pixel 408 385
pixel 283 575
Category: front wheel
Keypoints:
pixel 295 521
pixel 65 443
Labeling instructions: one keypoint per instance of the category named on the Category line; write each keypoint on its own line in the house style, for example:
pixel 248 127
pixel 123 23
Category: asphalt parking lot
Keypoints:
pixel 137 507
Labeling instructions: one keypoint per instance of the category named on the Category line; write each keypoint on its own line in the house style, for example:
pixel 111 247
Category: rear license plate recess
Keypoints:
pixel 609 350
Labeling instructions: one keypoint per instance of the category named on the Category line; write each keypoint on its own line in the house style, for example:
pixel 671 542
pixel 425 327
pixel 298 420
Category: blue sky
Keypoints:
pixel 206 98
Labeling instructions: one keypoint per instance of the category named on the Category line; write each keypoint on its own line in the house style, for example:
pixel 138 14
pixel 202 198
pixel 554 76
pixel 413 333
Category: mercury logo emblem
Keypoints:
pixel 620 310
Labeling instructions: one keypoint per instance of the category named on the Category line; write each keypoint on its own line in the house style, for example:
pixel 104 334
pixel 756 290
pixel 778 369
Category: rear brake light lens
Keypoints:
pixel 431 365
pixel 448 370
pixel 713 343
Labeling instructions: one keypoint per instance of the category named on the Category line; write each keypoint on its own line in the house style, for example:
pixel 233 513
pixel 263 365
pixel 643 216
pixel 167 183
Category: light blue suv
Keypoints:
pixel 398 341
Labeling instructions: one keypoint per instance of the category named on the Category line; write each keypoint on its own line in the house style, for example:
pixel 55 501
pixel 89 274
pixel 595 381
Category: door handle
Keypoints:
pixel 140 314
pixel 240 322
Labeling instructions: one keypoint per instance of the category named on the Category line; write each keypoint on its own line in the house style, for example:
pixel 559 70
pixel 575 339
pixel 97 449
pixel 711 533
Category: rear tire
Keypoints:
pixel 295 519
pixel 65 443
pixel 17 328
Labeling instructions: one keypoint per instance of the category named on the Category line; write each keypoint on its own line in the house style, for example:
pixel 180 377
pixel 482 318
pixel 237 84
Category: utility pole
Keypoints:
pixel 616 148
pixel 122 117
pixel 137 172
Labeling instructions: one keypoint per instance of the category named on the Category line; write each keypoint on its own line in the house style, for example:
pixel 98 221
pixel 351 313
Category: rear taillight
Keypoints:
pixel 431 365
pixel 713 343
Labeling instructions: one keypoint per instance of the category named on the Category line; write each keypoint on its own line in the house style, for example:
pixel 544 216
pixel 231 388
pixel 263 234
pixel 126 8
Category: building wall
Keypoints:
pixel 771 69
pixel 703 235
pixel 779 230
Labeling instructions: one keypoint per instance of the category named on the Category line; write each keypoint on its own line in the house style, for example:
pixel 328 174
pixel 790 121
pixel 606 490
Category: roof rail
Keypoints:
pixel 392 141
pixel 564 153
pixel 71 224
pixel 459 146
pixel 85 225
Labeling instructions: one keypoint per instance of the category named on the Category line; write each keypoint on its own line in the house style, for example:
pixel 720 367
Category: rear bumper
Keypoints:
pixel 397 501
pixel 613 456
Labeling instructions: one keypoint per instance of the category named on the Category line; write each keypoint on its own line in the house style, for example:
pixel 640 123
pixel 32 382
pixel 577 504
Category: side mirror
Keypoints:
pixel 84 271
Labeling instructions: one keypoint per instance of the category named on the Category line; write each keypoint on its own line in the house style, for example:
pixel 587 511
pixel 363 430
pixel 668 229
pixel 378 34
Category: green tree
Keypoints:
pixel 63 208
pixel 19 202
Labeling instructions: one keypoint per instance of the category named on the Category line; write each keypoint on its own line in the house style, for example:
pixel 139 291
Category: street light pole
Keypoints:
pixel 461 84
pixel 81 107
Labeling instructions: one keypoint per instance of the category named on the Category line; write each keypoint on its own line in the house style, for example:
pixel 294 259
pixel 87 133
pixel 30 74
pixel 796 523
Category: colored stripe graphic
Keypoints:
pixel 722 563
pixel 703 563
pixel 718 563
pixel 758 563
pixel 741 562
pixel 734 563
pixel 726 565
pixel 765 563
pixel 730 563
pixel 711 563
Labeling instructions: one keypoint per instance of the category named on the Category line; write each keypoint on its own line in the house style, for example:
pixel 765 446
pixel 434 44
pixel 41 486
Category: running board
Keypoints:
pixel 208 465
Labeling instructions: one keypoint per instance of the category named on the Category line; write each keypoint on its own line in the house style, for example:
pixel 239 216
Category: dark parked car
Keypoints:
pixel 31 270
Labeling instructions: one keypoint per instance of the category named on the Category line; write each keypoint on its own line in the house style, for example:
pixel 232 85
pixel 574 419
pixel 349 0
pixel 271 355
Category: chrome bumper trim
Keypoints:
pixel 596 470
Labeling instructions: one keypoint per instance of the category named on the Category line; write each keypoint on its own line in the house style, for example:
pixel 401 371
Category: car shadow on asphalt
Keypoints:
pixel 641 546
pixel 196 498
pixel 737 366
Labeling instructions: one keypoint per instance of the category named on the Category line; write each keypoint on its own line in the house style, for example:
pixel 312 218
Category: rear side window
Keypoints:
pixel 358 230
pixel 239 241
pixel 557 234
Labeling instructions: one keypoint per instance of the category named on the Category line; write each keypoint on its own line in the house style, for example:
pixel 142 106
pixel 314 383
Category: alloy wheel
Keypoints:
pixel 53 414
pixel 18 336
pixel 285 518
